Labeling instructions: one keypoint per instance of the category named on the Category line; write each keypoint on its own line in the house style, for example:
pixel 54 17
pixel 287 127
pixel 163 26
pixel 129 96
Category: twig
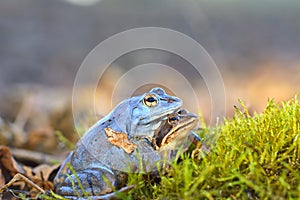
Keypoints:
pixel 19 177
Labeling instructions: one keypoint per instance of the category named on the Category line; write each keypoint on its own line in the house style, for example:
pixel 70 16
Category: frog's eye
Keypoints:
pixel 150 100
pixel 173 120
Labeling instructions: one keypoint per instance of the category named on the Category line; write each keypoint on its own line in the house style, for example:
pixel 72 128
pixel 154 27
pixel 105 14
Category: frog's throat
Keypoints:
pixel 160 133
pixel 180 128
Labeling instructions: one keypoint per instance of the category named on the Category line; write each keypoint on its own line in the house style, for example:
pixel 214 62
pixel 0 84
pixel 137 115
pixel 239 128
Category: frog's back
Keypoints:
pixel 94 150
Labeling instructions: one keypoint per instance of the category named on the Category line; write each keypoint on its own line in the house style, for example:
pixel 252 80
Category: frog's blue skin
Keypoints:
pixel 94 156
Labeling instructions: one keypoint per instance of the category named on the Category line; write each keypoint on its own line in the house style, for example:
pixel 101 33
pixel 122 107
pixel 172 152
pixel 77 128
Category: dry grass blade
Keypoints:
pixel 22 177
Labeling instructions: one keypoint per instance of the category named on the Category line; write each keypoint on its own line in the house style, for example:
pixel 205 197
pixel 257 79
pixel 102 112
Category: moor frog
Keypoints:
pixel 132 138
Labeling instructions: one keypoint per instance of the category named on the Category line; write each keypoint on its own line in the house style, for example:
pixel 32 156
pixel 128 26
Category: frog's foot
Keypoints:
pixel 113 195
pixel 89 182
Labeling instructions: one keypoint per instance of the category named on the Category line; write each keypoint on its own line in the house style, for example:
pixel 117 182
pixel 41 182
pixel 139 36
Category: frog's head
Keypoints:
pixel 174 131
pixel 143 114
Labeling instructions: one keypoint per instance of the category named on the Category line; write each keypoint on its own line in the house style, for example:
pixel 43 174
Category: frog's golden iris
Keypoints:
pixel 150 100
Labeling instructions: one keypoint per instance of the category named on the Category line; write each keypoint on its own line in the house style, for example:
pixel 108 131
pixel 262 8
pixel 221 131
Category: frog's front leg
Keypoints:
pixel 88 182
pixel 194 138
pixel 201 150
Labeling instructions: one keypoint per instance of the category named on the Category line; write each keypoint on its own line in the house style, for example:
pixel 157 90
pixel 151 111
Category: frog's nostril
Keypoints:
pixel 182 112
pixel 170 100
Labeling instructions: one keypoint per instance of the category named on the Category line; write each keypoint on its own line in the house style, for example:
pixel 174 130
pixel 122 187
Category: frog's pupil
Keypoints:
pixel 151 99
pixel 173 118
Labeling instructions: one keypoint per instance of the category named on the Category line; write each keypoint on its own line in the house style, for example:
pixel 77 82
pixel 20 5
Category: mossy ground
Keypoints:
pixel 255 157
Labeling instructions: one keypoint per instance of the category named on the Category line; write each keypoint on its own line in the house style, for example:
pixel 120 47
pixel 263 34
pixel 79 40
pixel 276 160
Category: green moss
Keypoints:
pixel 255 157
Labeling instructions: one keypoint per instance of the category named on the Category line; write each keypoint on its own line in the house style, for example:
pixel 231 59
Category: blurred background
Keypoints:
pixel 255 45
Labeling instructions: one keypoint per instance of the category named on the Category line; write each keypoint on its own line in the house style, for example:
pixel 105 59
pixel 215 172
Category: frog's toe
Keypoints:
pixel 65 191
